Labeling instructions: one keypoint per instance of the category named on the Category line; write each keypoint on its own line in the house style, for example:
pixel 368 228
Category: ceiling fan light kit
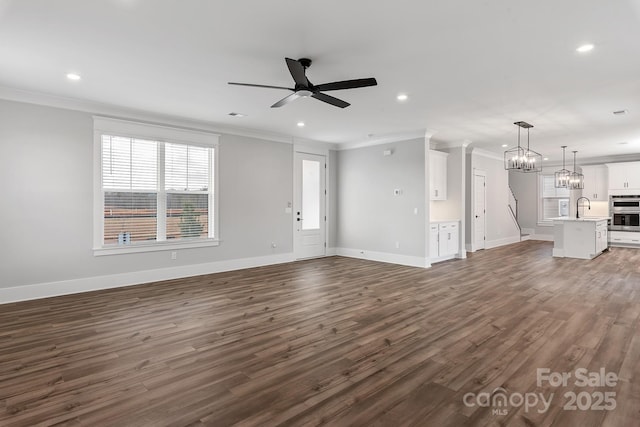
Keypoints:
pixel 305 89
pixel 521 159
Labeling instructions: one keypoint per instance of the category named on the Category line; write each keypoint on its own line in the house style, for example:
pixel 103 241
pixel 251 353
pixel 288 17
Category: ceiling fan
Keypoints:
pixel 305 89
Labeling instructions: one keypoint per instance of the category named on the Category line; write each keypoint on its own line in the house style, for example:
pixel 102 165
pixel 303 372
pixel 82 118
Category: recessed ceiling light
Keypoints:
pixel 232 114
pixel 585 48
pixel 546 158
pixel 402 97
pixel 504 145
pixel 623 143
pixel 300 124
pixel 73 76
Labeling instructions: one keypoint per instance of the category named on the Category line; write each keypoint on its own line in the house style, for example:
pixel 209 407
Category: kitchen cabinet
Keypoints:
pixel 624 178
pixel 596 183
pixel 437 175
pixel 624 238
pixel 444 242
pixel 583 238
pixel 602 240
pixel 448 239
pixel 433 240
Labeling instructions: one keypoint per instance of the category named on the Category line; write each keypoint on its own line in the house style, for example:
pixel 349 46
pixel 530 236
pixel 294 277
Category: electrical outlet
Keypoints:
pixel 174 255
pixel 273 245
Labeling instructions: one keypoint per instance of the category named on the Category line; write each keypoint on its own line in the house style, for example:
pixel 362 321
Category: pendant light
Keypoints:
pixel 576 180
pixel 562 176
pixel 520 159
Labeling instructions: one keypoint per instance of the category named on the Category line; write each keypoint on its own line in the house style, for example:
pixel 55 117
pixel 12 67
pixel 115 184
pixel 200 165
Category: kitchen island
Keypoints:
pixel 583 238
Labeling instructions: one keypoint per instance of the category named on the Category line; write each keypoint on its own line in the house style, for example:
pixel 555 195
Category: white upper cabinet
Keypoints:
pixel 596 185
pixel 624 178
pixel 438 175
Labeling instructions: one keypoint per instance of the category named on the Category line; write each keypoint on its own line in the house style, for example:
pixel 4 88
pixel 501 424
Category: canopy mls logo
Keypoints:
pixel 501 402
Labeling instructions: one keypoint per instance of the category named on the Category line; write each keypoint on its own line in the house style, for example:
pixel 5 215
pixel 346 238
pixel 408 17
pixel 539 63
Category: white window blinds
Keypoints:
pixel 148 200
pixel 187 167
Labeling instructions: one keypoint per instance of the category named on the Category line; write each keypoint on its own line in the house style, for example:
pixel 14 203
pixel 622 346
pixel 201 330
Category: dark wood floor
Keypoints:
pixel 333 341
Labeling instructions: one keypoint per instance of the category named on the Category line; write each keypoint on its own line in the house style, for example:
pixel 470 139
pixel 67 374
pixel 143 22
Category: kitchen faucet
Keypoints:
pixel 578 206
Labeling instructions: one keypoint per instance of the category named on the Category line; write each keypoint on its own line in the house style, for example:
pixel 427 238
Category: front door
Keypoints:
pixel 309 201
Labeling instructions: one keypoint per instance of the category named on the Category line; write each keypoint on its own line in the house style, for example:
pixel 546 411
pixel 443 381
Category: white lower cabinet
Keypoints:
pixel 444 240
pixel 579 238
pixel 624 238
pixel 433 240
pixel 602 240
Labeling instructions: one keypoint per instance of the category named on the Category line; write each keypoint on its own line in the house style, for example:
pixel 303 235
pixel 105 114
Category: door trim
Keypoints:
pixel 483 173
pixel 303 149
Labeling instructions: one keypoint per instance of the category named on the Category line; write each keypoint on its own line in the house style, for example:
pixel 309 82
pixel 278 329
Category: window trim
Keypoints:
pixel 541 222
pixel 130 129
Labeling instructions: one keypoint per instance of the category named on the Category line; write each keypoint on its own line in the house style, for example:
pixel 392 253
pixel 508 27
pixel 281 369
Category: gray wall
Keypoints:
pixel 525 190
pixel 500 224
pixel 332 202
pixel 370 216
pixel 46 211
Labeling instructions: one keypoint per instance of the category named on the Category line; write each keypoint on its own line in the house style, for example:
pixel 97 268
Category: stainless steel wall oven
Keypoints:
pixel 625 213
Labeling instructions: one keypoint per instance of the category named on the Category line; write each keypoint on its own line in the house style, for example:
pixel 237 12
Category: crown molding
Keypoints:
pixel 116 112
pixel 485 153
pixel 440 145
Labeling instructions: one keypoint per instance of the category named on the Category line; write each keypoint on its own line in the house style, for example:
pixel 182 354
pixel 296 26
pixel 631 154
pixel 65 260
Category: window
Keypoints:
pixel 153 193
pixel 553 202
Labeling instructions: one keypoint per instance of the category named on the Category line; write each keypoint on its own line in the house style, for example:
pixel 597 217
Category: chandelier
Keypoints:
pixel 576 180
pixel 563 175
pixel 521 159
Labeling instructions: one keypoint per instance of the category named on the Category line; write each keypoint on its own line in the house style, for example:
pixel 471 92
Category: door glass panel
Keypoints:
pixel 310 195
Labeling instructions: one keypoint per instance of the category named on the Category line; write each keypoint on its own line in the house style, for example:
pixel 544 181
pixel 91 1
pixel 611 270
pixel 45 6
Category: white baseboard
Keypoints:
pixel 74 286
pixel 412 261
pixel 501 242
pixel 331 252
pixel 444 258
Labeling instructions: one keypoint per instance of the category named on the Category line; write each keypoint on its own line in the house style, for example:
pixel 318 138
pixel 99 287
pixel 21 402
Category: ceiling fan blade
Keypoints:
pixel 267 86
pixel 286 100
pixel 330 99
pixel 347 84
pixel 297 72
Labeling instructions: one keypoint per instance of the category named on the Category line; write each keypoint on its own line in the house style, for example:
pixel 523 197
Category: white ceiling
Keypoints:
pixel 470 68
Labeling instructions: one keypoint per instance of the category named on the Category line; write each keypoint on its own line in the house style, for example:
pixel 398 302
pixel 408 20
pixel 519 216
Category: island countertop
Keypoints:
pixel 586 218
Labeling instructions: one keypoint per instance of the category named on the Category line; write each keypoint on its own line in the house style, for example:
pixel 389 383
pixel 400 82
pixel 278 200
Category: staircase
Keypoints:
pixel 513 209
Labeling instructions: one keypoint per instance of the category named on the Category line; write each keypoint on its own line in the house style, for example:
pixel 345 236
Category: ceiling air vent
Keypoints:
pixel 232 114
pixel 620 112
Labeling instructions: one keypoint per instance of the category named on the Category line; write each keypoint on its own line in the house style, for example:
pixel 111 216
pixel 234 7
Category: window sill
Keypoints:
pixel 160 246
